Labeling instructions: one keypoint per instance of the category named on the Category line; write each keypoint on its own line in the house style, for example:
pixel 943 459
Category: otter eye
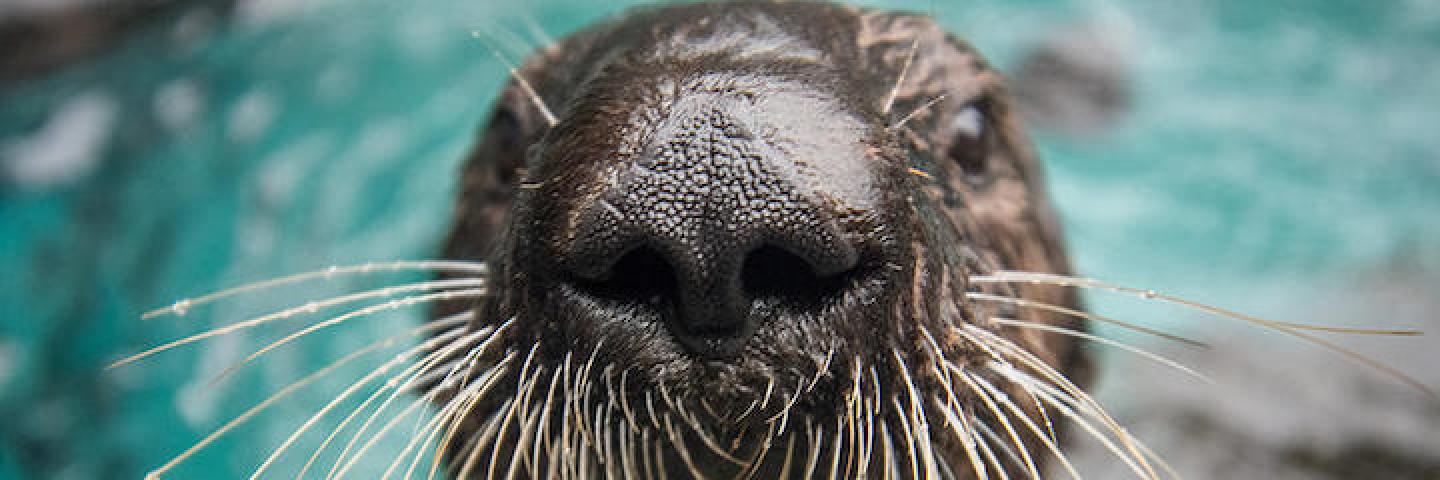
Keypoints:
pixel 970 143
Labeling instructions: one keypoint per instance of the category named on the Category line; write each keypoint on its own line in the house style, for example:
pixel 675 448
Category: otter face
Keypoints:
pixel 711 234
pixel 746 229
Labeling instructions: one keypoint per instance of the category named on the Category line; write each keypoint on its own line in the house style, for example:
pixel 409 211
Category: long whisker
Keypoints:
pixel 994 392
pixel 423 436
pixel 812 460
pixel 452 410
pixel 963 434
pixel 466 404
pixel 310 307
pixel 888 444
pixel 1021 302
pixel 1063 403
pixel 411 372
pixel 373 309
pixel 1007 276
pixel 906 119
pixel 488 433
pixel 986 450
pixel 543 430
pixel 535 99
pixel 523 380
pixel 181 307
pixel 411 375
pixel 920 424
pixel 441 324
pixel 379 434
pixel 976 334
pixel 677 442
pixel 836 445
pixel 1293 329
pixel 1105 341
pixel 789 457
pixel 900 79
pixel 1022 453
pixel 264 404
pixel 999 443
pixel 910 441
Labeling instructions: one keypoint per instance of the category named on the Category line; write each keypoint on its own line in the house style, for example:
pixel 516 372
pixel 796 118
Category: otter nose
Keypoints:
pixel 712 292
pixel 709 228
pixel 724 290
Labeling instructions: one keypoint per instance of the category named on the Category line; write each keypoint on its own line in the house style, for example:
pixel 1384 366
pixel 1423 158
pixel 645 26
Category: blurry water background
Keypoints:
pixel 1281 158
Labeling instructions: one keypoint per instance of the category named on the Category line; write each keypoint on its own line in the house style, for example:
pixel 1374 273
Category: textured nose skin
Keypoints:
pixel 704 197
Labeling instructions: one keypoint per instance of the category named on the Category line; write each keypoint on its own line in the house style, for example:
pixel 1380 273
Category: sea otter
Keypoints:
pixel 739 240
pixel 735 239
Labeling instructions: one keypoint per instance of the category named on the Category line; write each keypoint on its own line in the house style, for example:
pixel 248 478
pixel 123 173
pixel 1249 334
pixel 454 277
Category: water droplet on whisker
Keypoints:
pixel 180 307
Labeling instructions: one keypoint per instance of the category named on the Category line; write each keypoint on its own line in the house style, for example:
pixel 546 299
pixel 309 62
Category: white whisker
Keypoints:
pixel 1081 314
pixel 916 111
pixel 995 393
pixel 365 380
pixel 961 428
pixel 1006 276
pixel 1021 453
pixel 310 307
pixel 183 306
pixel 900 79
pixel 530 93
pixel 264 404
pixel 1045 393
pixel 370 310
pixel 1035 363
pixel 1297 330
pixel 411 374
pixel 1105 341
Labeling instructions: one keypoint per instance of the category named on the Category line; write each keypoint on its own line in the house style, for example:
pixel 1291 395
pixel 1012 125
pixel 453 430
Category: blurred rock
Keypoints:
pixel 1075 83
pixel 40 37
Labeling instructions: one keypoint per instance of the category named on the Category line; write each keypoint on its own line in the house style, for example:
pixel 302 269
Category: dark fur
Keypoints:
pixel 912 210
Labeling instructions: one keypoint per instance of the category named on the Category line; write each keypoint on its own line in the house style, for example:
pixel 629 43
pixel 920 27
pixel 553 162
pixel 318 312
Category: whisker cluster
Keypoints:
pixel 967 403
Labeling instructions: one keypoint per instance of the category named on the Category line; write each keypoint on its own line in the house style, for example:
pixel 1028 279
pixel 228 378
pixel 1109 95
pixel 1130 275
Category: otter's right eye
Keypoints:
pixel 971 143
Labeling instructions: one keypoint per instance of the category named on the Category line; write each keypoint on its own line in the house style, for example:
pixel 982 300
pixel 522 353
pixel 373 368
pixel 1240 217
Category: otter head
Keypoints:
pixel 738 239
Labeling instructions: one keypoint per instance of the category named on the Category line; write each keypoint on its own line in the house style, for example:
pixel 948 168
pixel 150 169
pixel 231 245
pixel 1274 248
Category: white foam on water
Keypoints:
pixel 337 82
pixel 67 148
pixel 177 104
pixel 251 116
pixel 198 401
pixel 281 173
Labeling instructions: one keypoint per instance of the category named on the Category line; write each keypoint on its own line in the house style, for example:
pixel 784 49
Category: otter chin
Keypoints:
pixel 737 240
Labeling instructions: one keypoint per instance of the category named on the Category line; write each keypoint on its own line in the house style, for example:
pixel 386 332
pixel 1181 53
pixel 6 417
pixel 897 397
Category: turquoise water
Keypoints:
pixel 1274 146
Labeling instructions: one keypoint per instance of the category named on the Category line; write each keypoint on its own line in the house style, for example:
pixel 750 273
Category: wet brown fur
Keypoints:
pixel 966 223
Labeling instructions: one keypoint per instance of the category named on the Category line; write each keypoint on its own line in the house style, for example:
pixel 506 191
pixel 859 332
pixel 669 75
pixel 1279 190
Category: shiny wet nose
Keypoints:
pixel 712 292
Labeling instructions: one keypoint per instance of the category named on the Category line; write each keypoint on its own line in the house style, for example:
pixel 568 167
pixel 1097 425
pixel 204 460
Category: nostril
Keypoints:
pixel 776 274
pixel 641 278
